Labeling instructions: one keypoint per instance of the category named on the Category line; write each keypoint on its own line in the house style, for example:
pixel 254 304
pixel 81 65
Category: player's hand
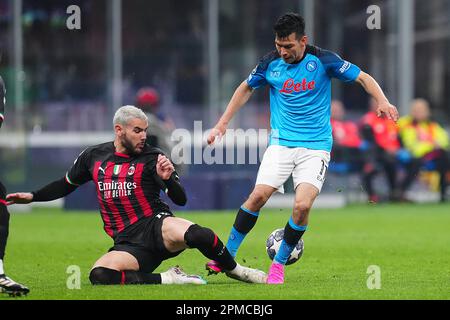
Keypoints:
pixel 164 168
pixel 19 198
pixel 218 131
pixel 387 109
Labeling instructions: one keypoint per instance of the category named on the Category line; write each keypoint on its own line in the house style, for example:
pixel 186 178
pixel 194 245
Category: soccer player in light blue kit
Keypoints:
pixel 299 76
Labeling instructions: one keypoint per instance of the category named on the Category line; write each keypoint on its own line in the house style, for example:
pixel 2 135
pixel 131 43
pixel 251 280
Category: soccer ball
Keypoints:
pixel 273 244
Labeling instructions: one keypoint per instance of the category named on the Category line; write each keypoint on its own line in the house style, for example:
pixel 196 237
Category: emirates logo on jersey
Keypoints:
pixel 115 189
pixel 291 86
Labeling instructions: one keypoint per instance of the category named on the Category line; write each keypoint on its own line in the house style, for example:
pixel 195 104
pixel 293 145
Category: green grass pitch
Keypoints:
pixel 409 243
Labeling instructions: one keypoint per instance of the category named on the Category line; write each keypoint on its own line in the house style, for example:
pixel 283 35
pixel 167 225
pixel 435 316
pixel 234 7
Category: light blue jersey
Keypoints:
pixel 300 96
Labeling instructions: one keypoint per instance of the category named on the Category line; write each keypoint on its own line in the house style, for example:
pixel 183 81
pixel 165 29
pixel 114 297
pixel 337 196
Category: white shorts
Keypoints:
pixel 305 165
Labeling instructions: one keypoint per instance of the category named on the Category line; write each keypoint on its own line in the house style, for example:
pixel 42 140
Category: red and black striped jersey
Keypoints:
pixel 128 188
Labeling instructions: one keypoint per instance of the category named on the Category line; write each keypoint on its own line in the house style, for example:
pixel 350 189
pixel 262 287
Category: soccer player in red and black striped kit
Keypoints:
pixel 129 175
pixel 7 285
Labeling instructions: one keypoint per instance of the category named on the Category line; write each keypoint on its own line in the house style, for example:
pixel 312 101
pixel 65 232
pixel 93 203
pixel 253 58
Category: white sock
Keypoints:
pixel 1 267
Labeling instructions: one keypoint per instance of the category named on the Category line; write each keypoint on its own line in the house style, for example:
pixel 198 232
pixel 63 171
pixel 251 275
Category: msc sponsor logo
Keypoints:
pixel 345 67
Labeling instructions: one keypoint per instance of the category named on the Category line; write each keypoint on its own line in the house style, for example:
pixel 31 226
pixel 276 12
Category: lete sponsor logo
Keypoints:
pixel 290 86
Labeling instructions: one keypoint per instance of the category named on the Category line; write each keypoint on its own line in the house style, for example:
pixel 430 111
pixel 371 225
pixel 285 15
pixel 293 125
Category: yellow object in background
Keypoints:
pixel 431 179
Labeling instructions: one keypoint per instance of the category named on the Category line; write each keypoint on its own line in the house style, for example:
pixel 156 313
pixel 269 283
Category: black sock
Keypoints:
pixel 101 275
pixel 209 244
pixel 245 220
pixel 292 236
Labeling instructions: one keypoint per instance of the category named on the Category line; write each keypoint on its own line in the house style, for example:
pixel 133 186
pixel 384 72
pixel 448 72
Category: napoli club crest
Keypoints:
pixel 311 66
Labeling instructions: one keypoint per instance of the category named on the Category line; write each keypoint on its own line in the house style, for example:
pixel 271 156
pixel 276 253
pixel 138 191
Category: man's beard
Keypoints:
pixel 131 149
pixel 290 59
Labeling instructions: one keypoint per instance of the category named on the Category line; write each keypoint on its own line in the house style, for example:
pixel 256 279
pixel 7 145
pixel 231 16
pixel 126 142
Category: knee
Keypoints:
pixel 196 235
pixel 102 275
pixel 302 208
pixel 258 198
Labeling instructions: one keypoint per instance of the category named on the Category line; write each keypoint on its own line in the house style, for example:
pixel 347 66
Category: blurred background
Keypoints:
pixel 63 86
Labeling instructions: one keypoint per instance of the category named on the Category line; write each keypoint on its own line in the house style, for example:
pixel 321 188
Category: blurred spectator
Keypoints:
pixel 427 143
pixel 148 100
pixel 160 126
pixel 383 146
pixel 347 142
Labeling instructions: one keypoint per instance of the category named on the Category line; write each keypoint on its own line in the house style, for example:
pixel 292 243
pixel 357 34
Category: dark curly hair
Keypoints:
pixel 290 23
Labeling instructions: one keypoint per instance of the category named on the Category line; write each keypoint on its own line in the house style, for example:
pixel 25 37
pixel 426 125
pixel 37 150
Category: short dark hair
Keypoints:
pixel 290 23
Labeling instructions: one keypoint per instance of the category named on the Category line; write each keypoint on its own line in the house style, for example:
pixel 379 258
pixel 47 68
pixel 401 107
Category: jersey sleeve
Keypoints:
pixel 150 171
pixel 257 78
pixel 338 68
pixel 79 173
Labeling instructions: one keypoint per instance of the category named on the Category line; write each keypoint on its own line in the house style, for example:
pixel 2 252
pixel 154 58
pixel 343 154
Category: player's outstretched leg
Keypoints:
pixel 244 222
pixel 207 242
pixel 175 275
pixel 7 285
pixel 121 267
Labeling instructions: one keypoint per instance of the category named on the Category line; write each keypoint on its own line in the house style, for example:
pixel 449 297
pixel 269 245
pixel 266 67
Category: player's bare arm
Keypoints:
pixel 373 88
pixel 239 98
